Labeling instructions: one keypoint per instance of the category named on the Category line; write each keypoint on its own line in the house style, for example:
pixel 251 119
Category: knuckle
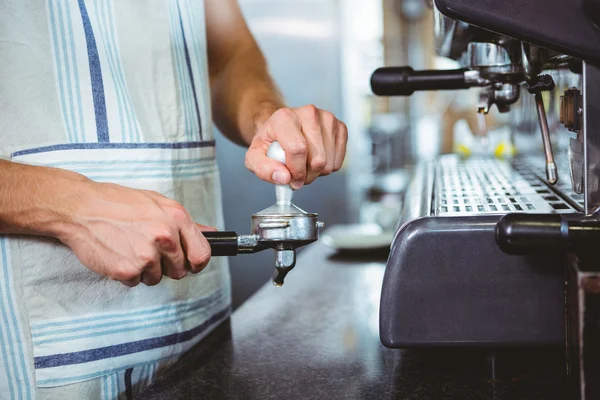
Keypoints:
pixel 297 147
pixel 179 213
pixel 285 113
pixel 318 163
pixel 164 236
pixel 327 170
pixel 201 258
pixel 328 117
pixel 312 110
pixel 148 257
pixel 124 274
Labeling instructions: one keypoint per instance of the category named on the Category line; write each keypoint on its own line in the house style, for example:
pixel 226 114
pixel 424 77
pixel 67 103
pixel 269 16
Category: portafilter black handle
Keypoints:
pixel 404 81
pixel 546 233
pixel 222 243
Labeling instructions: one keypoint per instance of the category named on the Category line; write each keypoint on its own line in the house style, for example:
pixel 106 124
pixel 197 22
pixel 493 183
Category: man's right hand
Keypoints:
pixel 134 235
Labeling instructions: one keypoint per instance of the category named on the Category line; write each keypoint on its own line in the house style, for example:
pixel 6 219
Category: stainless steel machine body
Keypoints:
pixel 483 245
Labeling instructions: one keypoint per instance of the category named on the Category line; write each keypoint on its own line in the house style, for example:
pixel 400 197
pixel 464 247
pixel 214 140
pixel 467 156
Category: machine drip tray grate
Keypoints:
pixel 530 166
pixel 490 186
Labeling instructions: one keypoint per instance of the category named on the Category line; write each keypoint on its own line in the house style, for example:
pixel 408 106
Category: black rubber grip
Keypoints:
pixel 222 243
pixel 404 81
pixel 535 233
pixel 529 233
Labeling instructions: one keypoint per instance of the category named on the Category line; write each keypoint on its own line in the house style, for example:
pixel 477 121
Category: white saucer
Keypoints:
pixel 357 237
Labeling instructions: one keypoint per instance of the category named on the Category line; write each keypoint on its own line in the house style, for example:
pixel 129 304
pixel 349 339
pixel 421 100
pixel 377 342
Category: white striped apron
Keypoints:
pixel 117 91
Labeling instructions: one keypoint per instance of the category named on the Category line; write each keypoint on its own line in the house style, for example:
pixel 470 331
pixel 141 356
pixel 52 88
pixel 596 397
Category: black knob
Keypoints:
pixel 530 233
pixel 541 83
pixel 404 81
pixel 548 233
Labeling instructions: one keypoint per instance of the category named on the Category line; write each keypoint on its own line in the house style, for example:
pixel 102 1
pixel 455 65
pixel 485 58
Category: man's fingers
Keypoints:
pixel 284 126
pixel 151 275
pixel 266 168
pixel 340 146
pixel 195 247
pixel 152 272
pixel 206 228
pixel 313 132
pixel 131 282
pixel 314 142
pixel 173 259
pixel 329 126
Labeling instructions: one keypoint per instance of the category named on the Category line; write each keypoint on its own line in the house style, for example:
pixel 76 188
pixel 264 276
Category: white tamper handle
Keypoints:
pixel 284 193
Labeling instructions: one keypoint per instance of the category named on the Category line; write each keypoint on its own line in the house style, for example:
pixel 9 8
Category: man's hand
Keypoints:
pixel 134 235
pixel 314 142
pixel 249 109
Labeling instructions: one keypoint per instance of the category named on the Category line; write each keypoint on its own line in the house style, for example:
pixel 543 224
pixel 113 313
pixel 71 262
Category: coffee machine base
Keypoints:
pixel 447 282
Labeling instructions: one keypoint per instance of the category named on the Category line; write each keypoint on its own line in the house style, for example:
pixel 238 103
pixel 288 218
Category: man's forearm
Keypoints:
pixel 125 234
pixel 244 95
pixel 36 200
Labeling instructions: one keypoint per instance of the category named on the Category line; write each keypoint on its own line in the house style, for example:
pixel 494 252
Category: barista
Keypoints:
pixel 109 179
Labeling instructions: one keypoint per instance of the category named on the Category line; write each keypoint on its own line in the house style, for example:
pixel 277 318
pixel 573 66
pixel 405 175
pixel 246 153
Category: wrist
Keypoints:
pixel 60 217
pixel 36 200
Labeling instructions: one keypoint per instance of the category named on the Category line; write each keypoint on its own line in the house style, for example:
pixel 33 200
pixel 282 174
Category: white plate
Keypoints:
pixel 357 237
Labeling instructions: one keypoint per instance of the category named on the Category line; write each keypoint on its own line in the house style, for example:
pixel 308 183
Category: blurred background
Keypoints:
pixel 323 52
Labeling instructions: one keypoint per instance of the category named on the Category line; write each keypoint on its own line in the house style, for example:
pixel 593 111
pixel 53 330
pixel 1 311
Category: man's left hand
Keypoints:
pixel 314 142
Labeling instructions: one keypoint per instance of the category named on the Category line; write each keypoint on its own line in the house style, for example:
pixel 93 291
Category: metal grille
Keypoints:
pixel 563 186
pixel 490 186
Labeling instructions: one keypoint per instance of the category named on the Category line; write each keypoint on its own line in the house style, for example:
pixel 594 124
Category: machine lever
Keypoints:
pixel 541 84
pixel 535 233
pixel 404 81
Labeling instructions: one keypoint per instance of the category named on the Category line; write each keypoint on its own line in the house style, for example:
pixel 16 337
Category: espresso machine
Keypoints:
pixel 500 253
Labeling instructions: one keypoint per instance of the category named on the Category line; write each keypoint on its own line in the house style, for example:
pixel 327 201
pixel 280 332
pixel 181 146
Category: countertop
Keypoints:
pixel 317 338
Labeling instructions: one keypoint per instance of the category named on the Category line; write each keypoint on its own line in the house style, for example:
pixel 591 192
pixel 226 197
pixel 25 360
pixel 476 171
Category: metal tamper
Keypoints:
pixel 282 227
